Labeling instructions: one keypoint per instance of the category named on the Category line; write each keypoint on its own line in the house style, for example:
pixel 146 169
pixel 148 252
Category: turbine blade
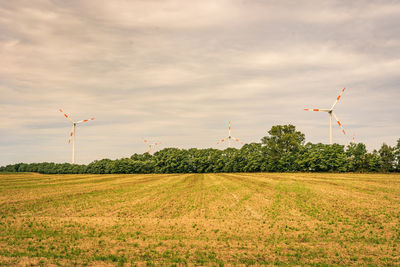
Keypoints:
pixel 339 123
pixel 337 99
pixel 66 116
pixel 70 135
pixel 316 109
pixel 223 140
pixel 85 120
pixel 237 140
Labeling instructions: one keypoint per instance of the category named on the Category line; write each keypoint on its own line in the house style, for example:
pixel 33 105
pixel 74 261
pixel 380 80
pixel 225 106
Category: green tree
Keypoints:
pixel 251 155
pixel 141 157
pixel 322 158
pixel 387 156
pixel 231 160
pixel 98 166
pixel 374 162
pixel 281 147
pixel 356 157
pixel 397 156
pixel 171 160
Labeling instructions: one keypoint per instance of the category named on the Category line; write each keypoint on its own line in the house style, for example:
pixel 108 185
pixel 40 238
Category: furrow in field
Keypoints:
pixel 200 219
pixel 76 198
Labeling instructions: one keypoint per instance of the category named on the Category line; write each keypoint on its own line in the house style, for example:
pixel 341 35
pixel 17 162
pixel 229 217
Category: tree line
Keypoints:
pixel 282 150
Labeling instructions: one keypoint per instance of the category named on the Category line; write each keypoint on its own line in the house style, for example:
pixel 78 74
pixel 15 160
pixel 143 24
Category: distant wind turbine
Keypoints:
pixel 150 145
pixel 73 133
pixel 230 137
pixel 330 112
pixel 353 140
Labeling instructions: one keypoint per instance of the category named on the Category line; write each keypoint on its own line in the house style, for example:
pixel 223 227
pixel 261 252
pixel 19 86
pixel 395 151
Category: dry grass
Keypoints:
pixel 200 219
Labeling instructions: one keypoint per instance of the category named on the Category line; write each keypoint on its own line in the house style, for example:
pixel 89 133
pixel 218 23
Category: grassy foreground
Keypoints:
pixel 200 219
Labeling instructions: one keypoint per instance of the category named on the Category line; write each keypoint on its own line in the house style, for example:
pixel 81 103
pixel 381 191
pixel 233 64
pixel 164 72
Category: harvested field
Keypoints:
pixel 200 219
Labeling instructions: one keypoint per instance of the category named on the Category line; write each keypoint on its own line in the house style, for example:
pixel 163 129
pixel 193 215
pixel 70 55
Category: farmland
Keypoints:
pixel 200 219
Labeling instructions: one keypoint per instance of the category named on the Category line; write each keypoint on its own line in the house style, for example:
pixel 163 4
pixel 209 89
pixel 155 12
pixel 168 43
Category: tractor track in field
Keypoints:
pixel 216 219
pixel 248 208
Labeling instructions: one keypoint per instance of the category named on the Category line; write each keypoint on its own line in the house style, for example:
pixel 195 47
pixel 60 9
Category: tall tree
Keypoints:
pixel 251 155
pixel 281 147
pixel 397 155
pixel 322 158
pixel 374 162
pixel 387 158
pixel 356 157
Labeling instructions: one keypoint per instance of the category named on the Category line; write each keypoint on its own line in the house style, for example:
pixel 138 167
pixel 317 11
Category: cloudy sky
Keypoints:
pixel 178 71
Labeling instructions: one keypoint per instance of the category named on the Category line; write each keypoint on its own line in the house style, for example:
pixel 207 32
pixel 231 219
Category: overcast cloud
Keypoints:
pixel 177 71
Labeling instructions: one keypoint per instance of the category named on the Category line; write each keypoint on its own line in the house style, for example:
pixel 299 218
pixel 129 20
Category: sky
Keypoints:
pixel 177 71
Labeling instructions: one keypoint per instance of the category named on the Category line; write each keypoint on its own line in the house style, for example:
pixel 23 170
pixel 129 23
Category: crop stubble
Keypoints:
pixel 202 219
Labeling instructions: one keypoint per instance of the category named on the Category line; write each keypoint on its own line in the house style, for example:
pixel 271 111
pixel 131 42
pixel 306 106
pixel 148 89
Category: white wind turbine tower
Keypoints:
pixel 353 140
pixel 73 133
pixel 330 112
pixel 150 145
pixel 230 137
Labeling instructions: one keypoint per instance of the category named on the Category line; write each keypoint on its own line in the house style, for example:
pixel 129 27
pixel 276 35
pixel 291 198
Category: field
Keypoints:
pixel 200 219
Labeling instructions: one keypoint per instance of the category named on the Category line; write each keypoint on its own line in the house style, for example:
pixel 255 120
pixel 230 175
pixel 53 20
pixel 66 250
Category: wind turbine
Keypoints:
pixel 353 140
pixel 230 137
pixel 150 145
pixel 73 134
pixel 330 112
